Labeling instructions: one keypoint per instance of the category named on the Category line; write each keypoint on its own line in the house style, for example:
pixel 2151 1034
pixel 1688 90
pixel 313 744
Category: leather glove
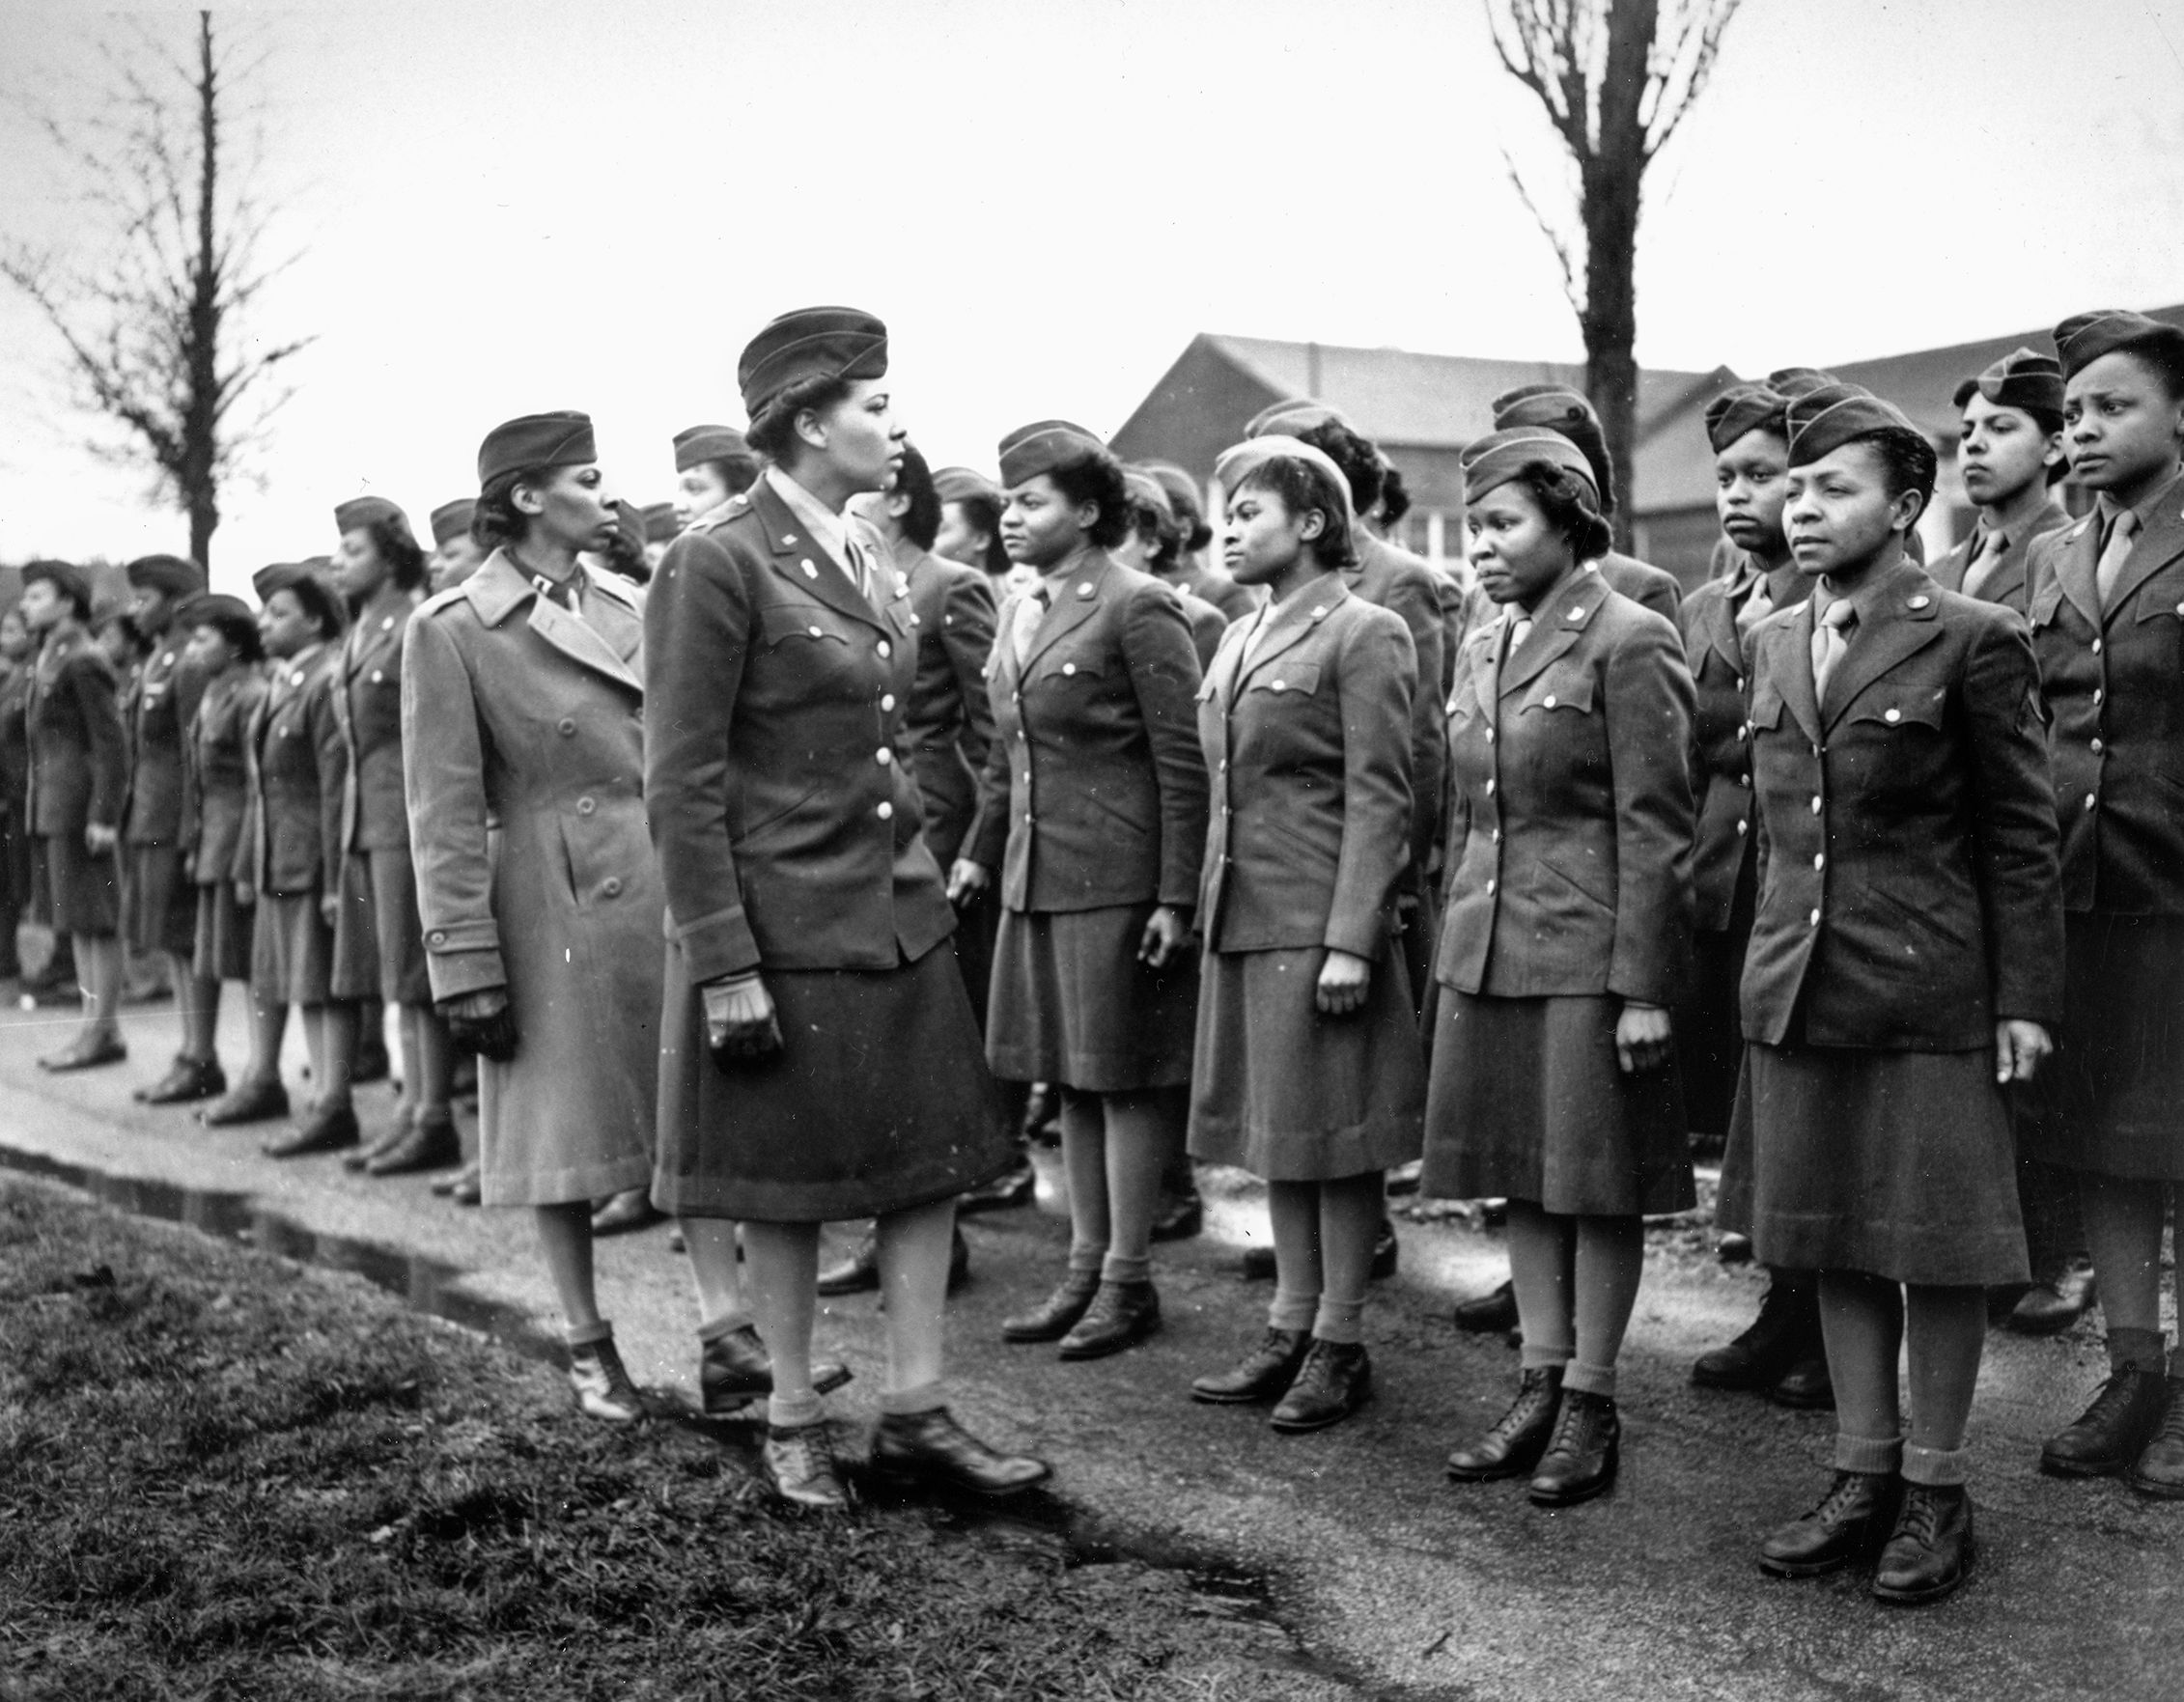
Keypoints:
pixel 482 1023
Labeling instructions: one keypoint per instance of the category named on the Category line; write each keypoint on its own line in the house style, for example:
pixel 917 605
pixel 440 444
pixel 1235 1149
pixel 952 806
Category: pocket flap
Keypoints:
pixel 1279 676
pixel 1766 706
pixel 1902 709
pixel 780 622
pixel 1559 689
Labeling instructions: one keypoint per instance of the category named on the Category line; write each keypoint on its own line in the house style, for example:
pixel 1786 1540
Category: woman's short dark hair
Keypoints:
pixel 497 520
pixel 1301 486
pixel 320 606
pixel 773 433
pixel 1566 503
pixel 1355 456
pixel 921 520
pixel 240 629
pixel 1159 527
pixel 123 622
pixel 736 473
pixel 1098 478
pixel 1908 462
pixel 2047 420
pixel 984 514
pixel 391 537
pixel 1395 498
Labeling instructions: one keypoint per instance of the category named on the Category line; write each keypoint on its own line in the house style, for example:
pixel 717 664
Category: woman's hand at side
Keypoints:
pixel 1641 1038
pixel 1168 937
pixel 1345 978
pixel 482 1023
pixel 966 881
pixel 740 1022
pixel 2021 1047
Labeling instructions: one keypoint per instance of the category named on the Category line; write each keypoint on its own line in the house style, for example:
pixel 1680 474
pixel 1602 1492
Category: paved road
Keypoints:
pixel 1407 1587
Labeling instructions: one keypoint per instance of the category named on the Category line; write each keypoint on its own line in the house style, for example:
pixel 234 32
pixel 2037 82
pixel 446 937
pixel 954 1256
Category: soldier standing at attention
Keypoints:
pixel 78 784
pixel 455 554
pixel 2108 627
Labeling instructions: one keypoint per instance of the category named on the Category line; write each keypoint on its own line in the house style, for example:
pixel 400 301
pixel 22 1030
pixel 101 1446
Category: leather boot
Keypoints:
pixel 426 1144
pixel 859 1270
pixel 326 1128
pixel 1121 1315
pixel 248 1101
pixel 1180 1214
pixel 91 1052
pixel 2111 1434
pixel 2056 1301
pixel 1489 1314
pixel 1386 1250
pixel 734 1370
pixel 1786 1331
pixel 1518 1438
pixel 1335 1379
pixel 1849 1525
pixel 382 1143
pixel 2159 1468
pixel 1806 1386
pixel 1057 1314
pixel 188 1080
pixel 372 1061
pixel 469 1186
pixel 1929 1552
pixel 1014 1187
pixel 931 1448
pixel 602 1387
pixel 1261 1375
pixel 798 1464
pixel 1581 1457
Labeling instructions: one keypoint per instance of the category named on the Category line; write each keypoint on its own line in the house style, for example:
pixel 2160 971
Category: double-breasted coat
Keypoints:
pixel 949 726
pixel 2112 675
pixel 380 928
pixel 525 782
pixel 791 844
pixel 1306 735
pixel 2007 584
pixel 79 777
pixel 1908 901
pixel 1568 894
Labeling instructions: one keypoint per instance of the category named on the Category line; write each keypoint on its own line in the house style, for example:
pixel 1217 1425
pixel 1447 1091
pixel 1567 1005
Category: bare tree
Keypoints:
pixel 149 307
pixel 1616 78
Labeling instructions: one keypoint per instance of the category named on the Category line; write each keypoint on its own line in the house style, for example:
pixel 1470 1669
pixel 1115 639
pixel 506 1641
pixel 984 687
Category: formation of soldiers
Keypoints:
pixel 976 804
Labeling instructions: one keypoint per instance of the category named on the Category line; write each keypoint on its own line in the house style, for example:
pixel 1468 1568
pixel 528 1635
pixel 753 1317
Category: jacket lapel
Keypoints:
pixel 1721 616
pixel 1076 598
pixel 1790 662
pixel 2158 544
pixel 2075 560
pixel 808 565
pixel 1293 624
pixel 1555 627
pixel 1901 626
pixel 499 587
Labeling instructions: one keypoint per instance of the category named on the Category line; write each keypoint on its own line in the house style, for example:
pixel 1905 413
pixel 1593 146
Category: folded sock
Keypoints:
pixel 727 1324
pixel 1590 1380
pixel 1935 1467
pixel 584 1335
pixel 2142 1348
pixel 1086 1260
pixel 1115 1268
pixel 1538 1355
pixel 1339 1321
pixel 1870 1456
pixel 792 1412
pixel 927 1397
pixel 1292 1311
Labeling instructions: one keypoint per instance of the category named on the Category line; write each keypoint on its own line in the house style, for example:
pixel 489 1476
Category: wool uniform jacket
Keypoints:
pixel 2006 585
pixel 1211 584
pixel 161 701
pixel 1643 583
pixel 78 746
pixel 788 824
pixel 219 776
pixel 15 742
pixel 1721 747
pixel 374 815
pixel 1309 744
pixel 1570 827
pixel 2114 683
pixel 1908 893
pixel 297 773
pixel 1399 581
pixel 949 725
pixel 1208 625
pixel 1094 793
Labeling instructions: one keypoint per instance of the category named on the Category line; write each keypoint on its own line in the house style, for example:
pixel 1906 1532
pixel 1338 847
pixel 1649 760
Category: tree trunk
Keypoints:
pixel 200 469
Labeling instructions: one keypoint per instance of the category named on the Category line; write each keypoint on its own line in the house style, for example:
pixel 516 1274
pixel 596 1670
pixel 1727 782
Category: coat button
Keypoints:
pixel 1085 589
pixel 1920 603
pixel 883 756
pixel 585 806
pixel 440 936
pixel 567 726
pixel 1498 836
pixel 1740 682
pixel 1281 685
pixel 1745 781
pixel 379 678
pixel 1490 889
pixel 2096 747
pixel 2091 801
pixel 1892 716
pixel 819 633
pixel 611 887
pixel 1744 730
pixel 886 812
pixel 1813 919
pixel 1068 668
pixel 1547 701
pixel 810 572
pixel 1027 822
pixel 1490 736
pixel 1489 789
pixel 886 701
pixel 2096 647
pixel 1740 827
pixel 2098 694
pixel 1819 860
pixel 883 649
pixel 1816 803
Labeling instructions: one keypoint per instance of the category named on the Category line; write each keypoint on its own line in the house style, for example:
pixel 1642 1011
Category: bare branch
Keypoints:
pixel 1683 68
pixel 1555 239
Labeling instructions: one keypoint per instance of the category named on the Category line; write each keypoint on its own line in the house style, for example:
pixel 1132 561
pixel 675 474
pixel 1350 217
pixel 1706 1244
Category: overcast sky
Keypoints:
pixel 553 205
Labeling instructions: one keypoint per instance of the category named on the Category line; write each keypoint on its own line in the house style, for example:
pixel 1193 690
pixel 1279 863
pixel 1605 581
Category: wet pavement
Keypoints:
pixel 1374 1576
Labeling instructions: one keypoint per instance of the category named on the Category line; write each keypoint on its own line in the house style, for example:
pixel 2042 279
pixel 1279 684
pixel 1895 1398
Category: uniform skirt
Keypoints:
pixel 1901 1164
pixel 2117 1082
pixel 399 931
pixel 291 950
pixel 1292 1095
pixel 1072 1004
pixel 877 1101
pixel 82 892
pixel 221 940
pixel 1526 1101
pixel 355 971
pixel 159 903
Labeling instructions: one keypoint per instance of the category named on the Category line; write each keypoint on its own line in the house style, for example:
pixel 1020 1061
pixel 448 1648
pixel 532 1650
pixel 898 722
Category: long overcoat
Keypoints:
pixel 524 724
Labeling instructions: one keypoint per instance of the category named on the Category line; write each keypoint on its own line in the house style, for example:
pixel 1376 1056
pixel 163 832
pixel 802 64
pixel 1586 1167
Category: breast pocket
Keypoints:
pixel 1278 680
pixel 1912 711
pixel 1559 691
pixel 1765 708
pixel 1073 666
pixel 797 624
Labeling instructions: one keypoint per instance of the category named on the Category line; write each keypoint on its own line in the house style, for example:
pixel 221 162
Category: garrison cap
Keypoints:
pixel 561 439
pixel 660 524
pixel 1793 382
pixel 228 616
pixel 363 511
pixel 810 342
pixel 1557 407
pixel 175 574
pixel 1043 447
pixel 1293 419
pixel 1145 488
pixel 699 445
pixel 1184 497
pixel 1493 461
pixel 1239 460
pixel 311 590
pixel 1822 421
pixel 966 484
pixel 452 520
pixel 2022 378
pixel 1743 408
pixel 65 577
pixel 2084 338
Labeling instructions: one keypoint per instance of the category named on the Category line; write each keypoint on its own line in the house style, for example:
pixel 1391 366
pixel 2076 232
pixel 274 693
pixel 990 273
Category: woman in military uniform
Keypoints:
pixel 1904 959
pixel 1564 944
pixel 712 464
pixel 1093 810
pixel 970 522
pixel 78 782
pixel 17 656
pixel 1309 1071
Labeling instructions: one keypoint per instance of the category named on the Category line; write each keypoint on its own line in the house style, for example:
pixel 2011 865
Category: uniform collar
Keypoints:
pixel 829 530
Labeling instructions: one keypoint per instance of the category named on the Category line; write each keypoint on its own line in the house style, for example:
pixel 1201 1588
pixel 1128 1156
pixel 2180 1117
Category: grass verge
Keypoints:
pixel 224 1475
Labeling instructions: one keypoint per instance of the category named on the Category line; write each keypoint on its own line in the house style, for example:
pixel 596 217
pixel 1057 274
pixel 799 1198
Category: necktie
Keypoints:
pixel 1520 630
pixel 1756 607
pixel 1030 610
pixel 1258 632
pixel 1984 561
pixel 1830 640
pixel 2122 535
pixel 860 571
pixel 564 592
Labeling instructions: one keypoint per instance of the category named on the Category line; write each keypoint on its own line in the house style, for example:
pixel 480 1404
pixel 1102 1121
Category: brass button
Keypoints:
pixel 1069 669
pixel 585 806
pixel 565 726
pixel 2096 647
pixel 1740 826
pixel 1816 803
pixel 883 756
pixel 611 887
pixel 1547 701
pixel 1819 860
pixel 883 649
pixel 887 812
pixel 2096 747
pixel 818 632
pixel 1814 918
pixel 1892 716
pixel 1490 889
pixel 1489 789
pixel 887 701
